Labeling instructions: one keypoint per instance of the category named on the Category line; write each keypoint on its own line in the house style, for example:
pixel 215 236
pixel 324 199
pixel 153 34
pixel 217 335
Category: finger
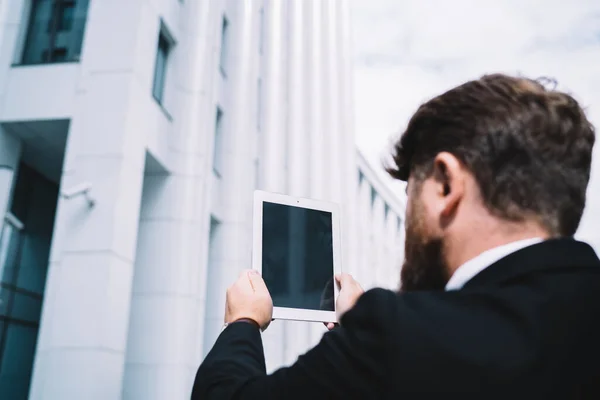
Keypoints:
pixel 245 273
pixel 256 281
pixel 330 325
pixel 344 280
pixel 338 277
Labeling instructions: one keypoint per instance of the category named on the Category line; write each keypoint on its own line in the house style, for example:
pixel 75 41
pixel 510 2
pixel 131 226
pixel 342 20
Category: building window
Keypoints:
pixel 25 240
pixel 218 145
pixel 261 32
pixel 55 31
pixel 387 211
pixel 373 196
pixel 160 67
pixel 257 180
pixel 259 104
pixel 224 46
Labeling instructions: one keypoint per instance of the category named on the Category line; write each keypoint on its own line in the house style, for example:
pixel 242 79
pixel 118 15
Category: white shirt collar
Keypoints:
pixel 468 270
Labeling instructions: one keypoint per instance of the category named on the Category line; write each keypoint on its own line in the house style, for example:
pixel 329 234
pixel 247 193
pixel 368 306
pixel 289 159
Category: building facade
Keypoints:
pixel 132 135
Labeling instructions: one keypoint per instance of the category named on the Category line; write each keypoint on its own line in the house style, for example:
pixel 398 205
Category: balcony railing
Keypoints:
pixel 50 41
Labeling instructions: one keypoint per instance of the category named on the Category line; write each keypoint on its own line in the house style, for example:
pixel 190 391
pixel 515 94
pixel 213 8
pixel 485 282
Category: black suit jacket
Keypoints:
pixel 526 327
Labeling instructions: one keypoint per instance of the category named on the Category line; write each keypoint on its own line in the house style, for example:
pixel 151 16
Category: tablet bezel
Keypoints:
pixel 286 313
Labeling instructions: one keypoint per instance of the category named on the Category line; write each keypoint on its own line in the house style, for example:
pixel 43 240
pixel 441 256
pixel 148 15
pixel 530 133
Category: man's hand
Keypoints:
pixel 249 298
pixel 350 291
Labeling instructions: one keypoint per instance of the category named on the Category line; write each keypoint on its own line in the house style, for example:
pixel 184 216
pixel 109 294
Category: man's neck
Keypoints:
pixel 461 250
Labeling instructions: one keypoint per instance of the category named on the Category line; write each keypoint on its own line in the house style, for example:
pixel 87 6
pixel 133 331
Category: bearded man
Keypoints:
pixel 498 300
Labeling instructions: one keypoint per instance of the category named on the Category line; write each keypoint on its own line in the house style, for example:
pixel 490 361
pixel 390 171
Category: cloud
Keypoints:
pixel 407 51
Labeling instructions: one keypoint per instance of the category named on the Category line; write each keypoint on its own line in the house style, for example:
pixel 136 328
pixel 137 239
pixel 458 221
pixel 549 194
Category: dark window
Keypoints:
pixel 218 145
pixel 259 104
pixel 65 15
pixel 373 196
pixel 160 67
pixel 24 253
pixel 55 31
pixel 224 46
pixel 261 32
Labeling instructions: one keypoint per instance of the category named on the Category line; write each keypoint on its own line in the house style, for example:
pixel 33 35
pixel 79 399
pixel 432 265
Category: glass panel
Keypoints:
pixel 66 13
pixel 39 198
pixel 17 361
pixel 33 262
pixel 217 162
pixel 160 68
pixel 9 253
pixel 261 32
pixel 373 196
pixel 5 298
pixel 259 104
pixel 26 307
pixel 224 44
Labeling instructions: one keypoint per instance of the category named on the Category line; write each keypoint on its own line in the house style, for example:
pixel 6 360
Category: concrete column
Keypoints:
pixel 324 60
pixel 399 241
pixel 233 242
pixel 329 143
pixel 332 97
pixel 83 330
pixel 296 338
pixel 388 257
pixel 274 153
pixel 13 27
pixel 316 117
pixel 365 270
pixel 168 284
pixel 10 153
pixel 298 145
pixel 314 82
pixel 347 144
pixel 379 241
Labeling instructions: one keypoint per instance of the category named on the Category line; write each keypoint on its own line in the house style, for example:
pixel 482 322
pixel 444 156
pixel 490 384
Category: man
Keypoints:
pixel 497 300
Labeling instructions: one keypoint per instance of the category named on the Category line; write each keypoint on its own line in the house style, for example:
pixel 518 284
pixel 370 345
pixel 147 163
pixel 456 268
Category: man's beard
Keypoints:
pixel 424 265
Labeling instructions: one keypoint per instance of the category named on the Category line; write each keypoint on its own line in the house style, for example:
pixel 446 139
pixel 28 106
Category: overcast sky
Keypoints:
pixel 409 50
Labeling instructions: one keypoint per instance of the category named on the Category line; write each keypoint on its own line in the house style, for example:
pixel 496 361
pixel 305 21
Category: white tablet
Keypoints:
pixel 297 251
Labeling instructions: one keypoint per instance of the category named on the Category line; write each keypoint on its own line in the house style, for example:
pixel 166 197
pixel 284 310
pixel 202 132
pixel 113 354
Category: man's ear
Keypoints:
pixel 449 175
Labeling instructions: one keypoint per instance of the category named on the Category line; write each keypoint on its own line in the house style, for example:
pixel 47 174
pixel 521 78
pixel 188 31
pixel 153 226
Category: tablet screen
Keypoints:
pixel 297 256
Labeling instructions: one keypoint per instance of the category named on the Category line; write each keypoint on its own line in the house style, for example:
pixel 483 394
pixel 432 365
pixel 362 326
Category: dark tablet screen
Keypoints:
pixel 297 256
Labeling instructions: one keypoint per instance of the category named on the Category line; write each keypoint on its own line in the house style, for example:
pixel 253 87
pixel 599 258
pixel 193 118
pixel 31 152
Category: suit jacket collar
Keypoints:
pixel 548 255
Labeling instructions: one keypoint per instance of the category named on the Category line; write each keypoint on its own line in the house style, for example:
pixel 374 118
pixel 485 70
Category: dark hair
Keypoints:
pixel 529 147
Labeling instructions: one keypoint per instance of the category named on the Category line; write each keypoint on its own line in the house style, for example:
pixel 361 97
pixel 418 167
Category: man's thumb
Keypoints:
pixel 344 279
pixel 257 281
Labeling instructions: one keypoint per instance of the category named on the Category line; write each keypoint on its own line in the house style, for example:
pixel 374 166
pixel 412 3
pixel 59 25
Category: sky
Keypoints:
pixel 407 51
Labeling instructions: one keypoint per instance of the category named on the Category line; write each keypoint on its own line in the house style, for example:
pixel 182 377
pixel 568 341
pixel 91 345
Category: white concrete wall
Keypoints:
pixel 136 285
pixel 167 303
pixel 381 240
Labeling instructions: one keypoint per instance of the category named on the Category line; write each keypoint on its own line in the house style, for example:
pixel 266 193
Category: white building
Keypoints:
pixel 171 113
